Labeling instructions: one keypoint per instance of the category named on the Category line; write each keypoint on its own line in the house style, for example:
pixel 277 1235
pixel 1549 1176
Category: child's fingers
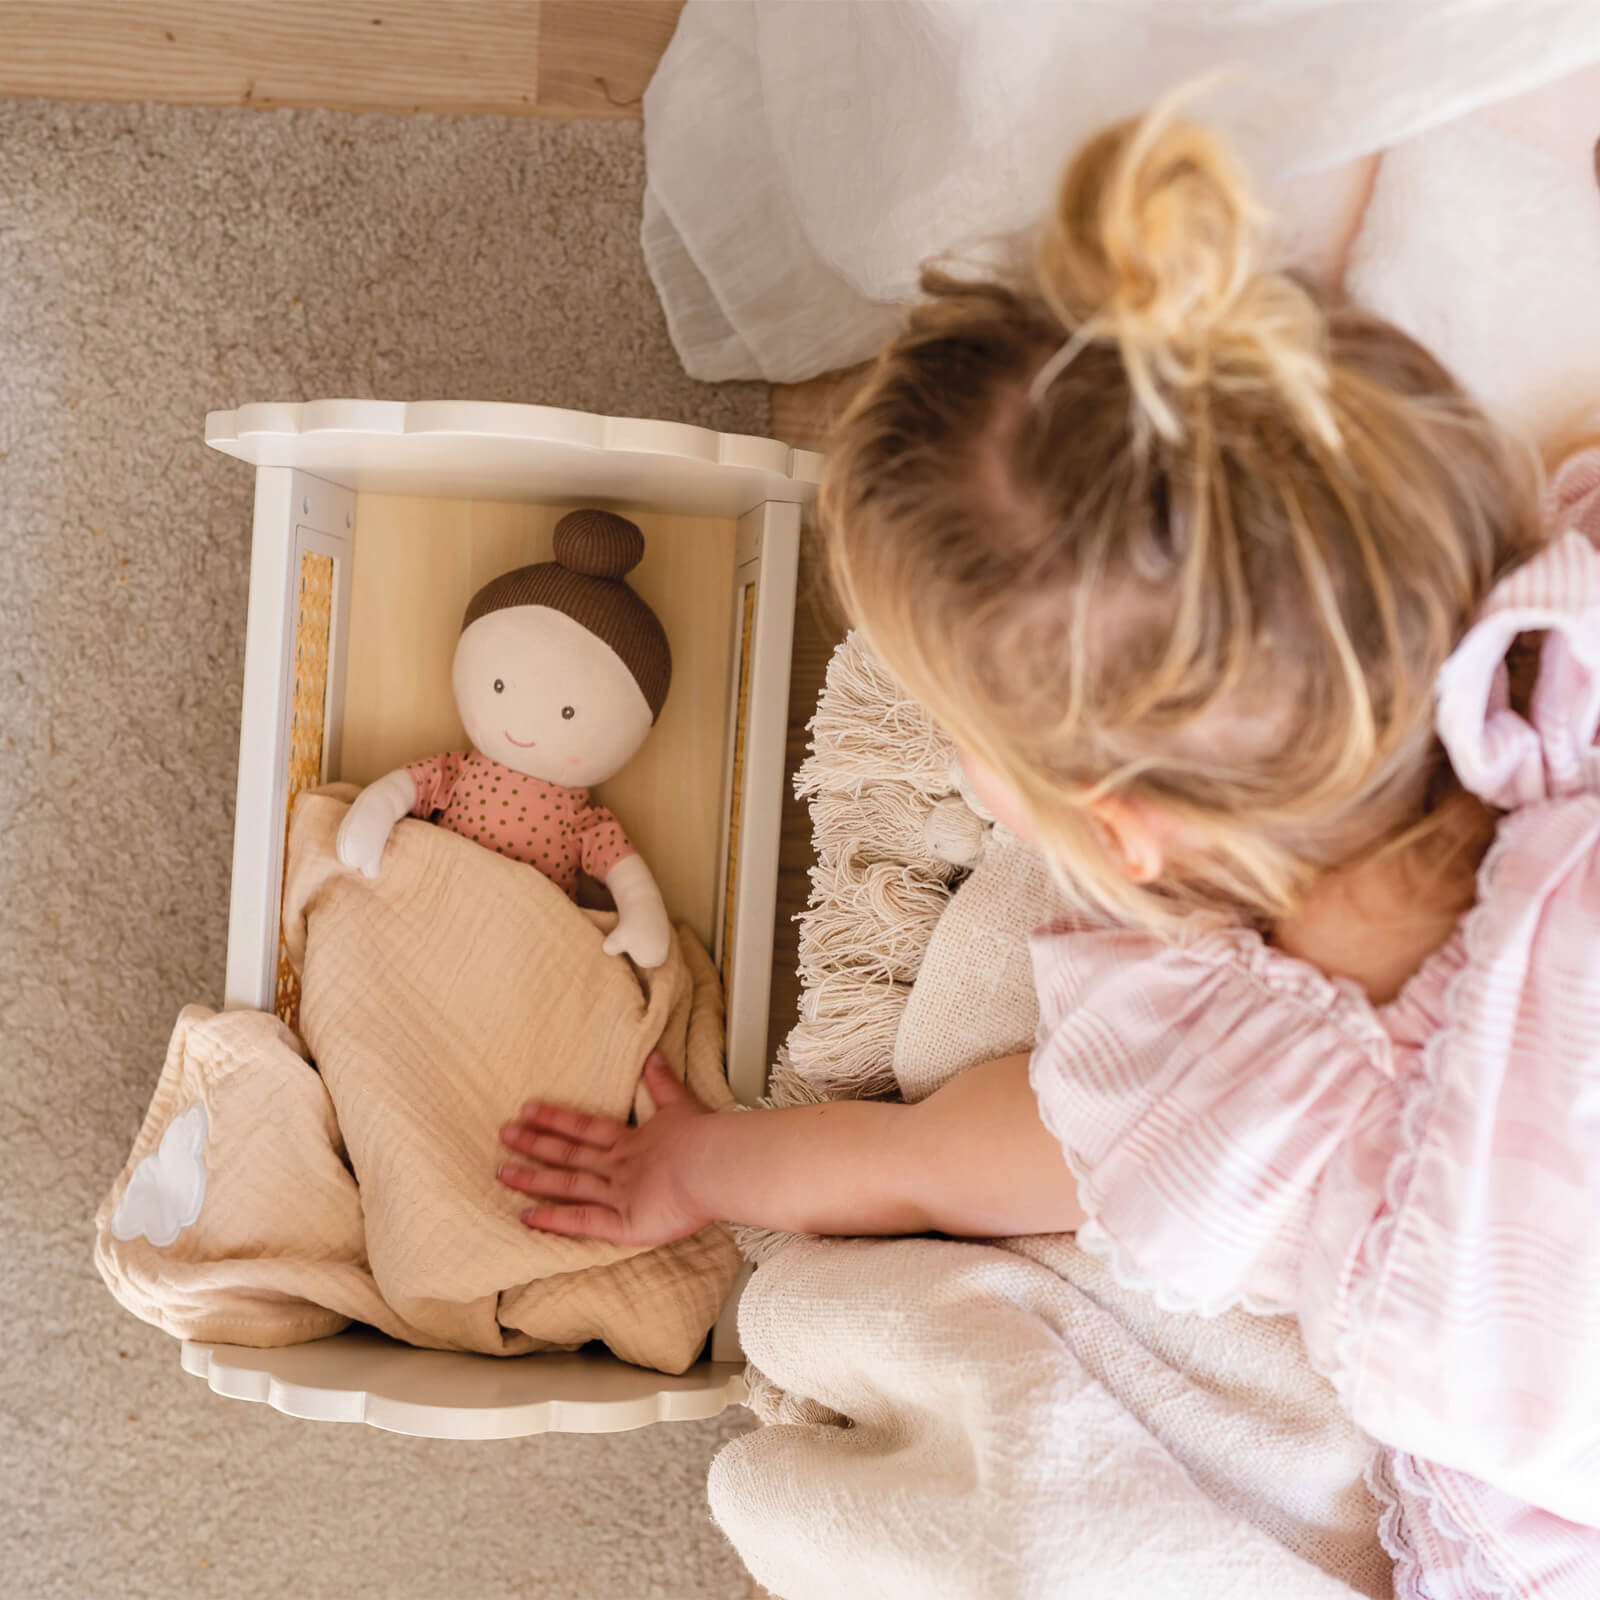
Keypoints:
pixel 555 1183
pixel 602 1132
pixel 659 1080
pixel 585 1222
pixel 551 1149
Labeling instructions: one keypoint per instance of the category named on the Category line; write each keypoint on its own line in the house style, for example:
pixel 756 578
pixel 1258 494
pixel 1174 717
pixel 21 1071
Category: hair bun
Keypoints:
pixel 599 544
pixel 1156 231
pixel 1158 244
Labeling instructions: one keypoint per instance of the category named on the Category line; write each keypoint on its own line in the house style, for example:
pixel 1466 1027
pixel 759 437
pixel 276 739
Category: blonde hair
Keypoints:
pixel 1163 522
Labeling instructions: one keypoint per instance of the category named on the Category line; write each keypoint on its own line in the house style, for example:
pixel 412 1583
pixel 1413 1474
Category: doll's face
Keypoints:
pixel 540 694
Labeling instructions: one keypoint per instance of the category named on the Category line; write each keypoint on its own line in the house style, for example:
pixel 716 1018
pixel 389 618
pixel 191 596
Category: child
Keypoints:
pixel 1219 587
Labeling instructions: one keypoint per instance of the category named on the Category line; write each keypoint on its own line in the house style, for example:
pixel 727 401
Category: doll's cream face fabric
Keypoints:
pixel 540 694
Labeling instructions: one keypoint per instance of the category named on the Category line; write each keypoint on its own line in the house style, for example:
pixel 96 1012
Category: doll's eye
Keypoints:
pixel 568 713
pixel 499 685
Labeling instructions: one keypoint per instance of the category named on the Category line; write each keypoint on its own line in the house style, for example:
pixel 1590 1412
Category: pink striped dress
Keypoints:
pixel 1418 1182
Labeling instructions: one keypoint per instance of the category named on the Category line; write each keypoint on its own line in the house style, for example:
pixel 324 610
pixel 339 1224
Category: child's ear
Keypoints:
pixel 1134 834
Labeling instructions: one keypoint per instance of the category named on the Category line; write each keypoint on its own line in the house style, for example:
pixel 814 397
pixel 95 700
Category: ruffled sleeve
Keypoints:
pixel 1507 759
pixel 1199 1093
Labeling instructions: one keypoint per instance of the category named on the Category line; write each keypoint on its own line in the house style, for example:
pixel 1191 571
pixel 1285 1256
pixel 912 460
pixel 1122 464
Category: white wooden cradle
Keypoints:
pixel 375 522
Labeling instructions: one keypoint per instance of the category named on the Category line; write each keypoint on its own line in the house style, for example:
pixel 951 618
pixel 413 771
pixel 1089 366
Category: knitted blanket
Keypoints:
pixel 956 1419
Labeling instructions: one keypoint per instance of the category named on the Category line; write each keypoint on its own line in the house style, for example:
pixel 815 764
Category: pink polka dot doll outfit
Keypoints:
pixel 549 827
pixel 1418 1182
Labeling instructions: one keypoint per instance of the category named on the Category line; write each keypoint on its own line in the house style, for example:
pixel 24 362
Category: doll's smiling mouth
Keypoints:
pixel 521 744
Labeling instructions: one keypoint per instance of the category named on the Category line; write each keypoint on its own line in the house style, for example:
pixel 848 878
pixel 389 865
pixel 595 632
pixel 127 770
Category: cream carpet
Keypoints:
pixel 154 263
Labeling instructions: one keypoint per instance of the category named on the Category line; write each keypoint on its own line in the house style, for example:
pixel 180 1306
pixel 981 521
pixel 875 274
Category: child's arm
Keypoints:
pixel 988 1166
pixel 973 1160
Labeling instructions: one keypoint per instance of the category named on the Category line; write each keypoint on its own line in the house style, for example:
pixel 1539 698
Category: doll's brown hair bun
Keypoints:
pixel 593 550
pixel 599 544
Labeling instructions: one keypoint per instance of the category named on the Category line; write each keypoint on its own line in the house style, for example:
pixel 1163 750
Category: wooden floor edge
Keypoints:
pixel 534 58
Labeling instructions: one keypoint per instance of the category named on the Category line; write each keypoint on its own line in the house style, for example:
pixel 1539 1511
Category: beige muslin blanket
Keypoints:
pixel 268 1201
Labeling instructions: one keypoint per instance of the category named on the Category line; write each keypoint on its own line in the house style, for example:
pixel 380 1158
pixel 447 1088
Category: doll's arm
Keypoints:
pixel 371 819
pixel 642 929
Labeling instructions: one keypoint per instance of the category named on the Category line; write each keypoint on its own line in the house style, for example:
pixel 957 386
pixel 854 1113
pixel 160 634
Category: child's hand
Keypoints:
pixel 624 1185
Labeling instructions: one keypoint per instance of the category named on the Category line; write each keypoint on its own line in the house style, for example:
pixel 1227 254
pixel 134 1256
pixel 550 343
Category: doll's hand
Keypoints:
pixel 642 929
pixel 644 937
pixel 371 819
pixel 624 1185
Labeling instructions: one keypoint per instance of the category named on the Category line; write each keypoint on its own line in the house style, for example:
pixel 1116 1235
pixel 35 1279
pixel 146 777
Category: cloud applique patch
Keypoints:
pixel 167 1188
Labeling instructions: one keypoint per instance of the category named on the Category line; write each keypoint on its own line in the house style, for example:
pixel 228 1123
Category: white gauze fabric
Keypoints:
pixel 851 142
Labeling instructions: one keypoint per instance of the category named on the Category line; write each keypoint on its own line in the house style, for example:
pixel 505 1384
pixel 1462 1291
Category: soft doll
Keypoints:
pixel 560 672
